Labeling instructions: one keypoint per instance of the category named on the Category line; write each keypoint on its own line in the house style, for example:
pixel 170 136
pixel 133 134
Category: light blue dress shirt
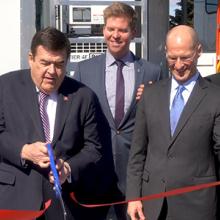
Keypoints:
pixel 110 80
pixel 189 85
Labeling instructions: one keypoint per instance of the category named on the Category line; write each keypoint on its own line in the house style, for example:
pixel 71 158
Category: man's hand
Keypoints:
pixel 140 90
pixel 135 210
pixel 63 169
pixel 36 153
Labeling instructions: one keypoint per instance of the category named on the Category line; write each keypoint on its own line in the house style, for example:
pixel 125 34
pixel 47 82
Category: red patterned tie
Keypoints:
pixel 43 100
pixel 120 94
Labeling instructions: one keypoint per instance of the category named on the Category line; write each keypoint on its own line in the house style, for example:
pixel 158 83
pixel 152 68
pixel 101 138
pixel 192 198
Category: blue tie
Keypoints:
pixel 176 108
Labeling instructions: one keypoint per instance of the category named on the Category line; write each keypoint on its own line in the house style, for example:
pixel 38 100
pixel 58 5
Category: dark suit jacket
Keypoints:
pixel 214 78
pixel 159 162
pixel 92 73
pixel 75 137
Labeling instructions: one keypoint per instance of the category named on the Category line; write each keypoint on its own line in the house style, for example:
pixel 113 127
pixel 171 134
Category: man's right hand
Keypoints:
pixel 135 210
pixel 36 153
pixel 140 91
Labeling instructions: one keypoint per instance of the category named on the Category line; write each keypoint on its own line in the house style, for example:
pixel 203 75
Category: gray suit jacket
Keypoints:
pixel 159 162
pixel 20 123
pixel 92 73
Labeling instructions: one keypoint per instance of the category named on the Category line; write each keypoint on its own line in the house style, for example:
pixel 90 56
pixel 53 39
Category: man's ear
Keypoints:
pixel 199 50
pixel 165 51
pixel 134 33
pixel 165 48
pixel 30 58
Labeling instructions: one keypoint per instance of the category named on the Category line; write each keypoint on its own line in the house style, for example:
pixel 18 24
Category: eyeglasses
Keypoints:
pixel 186 59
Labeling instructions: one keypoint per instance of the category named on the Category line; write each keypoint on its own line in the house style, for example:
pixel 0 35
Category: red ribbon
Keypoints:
pixel 30 215
pixel 23 214
pixel 173 192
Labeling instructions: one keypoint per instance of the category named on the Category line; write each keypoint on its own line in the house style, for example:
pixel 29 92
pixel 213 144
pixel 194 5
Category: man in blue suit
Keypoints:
pixel 99 73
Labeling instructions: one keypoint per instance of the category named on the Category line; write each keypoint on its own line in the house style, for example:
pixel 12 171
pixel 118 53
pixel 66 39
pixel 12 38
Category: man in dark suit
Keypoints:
pixel 161 159
pixel 214 78
pixel 25 178
pixel 99 73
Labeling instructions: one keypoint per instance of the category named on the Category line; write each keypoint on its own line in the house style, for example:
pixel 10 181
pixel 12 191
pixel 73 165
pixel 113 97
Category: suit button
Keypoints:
pixel 170 157
pixel 118 132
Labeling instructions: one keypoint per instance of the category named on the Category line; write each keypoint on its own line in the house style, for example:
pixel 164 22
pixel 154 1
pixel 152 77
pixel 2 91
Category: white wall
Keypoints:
pixel 17 23
pixel 10 35
pixel 207 64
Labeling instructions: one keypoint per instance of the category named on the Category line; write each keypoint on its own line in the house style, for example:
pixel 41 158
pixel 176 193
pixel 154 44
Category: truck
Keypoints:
pixel 206 25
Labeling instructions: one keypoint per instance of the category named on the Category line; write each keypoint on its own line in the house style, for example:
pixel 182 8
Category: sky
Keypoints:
pixel 173 6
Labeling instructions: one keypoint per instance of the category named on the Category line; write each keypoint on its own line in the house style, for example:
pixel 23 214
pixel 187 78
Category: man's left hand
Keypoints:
pixel 63 169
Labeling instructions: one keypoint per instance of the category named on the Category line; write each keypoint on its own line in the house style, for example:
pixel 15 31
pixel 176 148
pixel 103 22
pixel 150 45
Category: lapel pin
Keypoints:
pixel 65 98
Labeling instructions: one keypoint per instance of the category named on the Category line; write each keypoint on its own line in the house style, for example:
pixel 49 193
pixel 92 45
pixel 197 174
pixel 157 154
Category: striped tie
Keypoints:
pixel 43 100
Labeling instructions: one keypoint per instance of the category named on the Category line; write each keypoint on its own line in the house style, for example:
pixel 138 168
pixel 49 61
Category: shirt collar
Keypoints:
pixel 127 59
pixel 188 84
pixel 52 95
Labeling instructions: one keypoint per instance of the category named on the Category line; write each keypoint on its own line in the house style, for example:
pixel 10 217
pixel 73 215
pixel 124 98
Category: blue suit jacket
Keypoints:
pixel 92 73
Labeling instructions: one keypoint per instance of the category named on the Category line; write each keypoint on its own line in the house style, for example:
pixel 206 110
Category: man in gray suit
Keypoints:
pixel 99 73
pixel 161 160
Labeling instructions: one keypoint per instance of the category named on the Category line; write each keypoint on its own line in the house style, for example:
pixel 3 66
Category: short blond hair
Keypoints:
pixel 119 9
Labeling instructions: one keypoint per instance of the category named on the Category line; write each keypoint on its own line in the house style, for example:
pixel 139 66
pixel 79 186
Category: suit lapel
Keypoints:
pixel 192 104
pixel 29 99
pixel 139 74
pixel 102 90
pixel 163 105
pixel 63 107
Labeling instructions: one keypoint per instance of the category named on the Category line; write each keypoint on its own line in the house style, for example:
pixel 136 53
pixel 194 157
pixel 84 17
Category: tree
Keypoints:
pixel 184 15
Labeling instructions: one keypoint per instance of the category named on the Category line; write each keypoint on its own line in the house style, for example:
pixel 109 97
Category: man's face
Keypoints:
pixel 48 68
pixel 118 35
pixel 182 60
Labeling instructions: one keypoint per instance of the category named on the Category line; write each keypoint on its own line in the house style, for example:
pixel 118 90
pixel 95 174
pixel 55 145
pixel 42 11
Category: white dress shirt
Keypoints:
pixel 51 112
